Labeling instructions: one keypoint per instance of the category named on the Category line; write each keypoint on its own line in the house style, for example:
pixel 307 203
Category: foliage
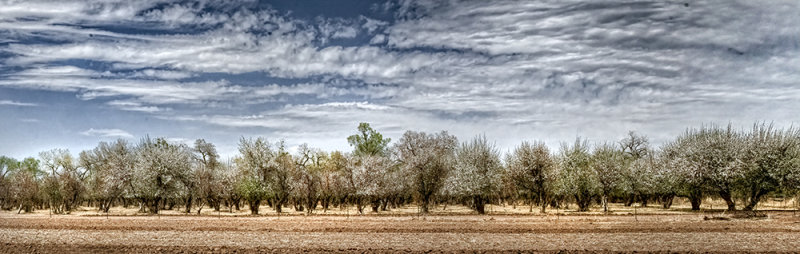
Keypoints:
pixel 368 141
pixel 477 172
pixel 576 178
pixel 426 160
pixel 532 168
pixel 160 172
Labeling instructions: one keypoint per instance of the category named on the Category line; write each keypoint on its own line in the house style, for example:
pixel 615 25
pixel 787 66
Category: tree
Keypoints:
pixel 274 167
pixel 306 177
pixel 532 167
pixel 426 159
pixel 364 178
pixel 280 176
pixel 252 190
pixel 7 167
pixel 63 186
pixel 710 156
pixel 229 177
pixel 770 158
pixel 635 146
pixel 110 167
pixel 674 172
pixel 160 172
pixel 638 175
pixel 368 141
pixel 25 184
pixel 205 181
pixel 608 164
pixel 638 181
pixel 576 177
pixel 477 173
pixel 332 183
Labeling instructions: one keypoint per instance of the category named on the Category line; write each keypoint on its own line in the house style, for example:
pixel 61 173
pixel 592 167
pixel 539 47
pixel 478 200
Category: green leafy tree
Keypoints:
pixel 368 141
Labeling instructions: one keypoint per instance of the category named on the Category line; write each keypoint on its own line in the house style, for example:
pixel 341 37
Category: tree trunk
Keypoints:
pixel 696 201
pixel 254 204
pixel 666 201
pixel 754 199
pixel 644 199
pixel 728 200
pixel 189 204
pixel 583 203
pixel 423 206
pixel 480 204
pixel 385 204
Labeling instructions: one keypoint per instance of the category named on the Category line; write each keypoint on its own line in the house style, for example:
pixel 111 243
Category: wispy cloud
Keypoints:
pixel 17 103
pixel 107 133
pixel 514 69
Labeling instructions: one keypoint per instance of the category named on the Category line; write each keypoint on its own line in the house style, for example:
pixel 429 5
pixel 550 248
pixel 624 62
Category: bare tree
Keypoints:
pixel 635 146
pixel 426 159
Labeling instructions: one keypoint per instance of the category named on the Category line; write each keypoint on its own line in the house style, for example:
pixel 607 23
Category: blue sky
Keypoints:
pixel 74 73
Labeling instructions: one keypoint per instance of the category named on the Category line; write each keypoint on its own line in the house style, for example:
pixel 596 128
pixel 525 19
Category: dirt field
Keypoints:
pixel 571 233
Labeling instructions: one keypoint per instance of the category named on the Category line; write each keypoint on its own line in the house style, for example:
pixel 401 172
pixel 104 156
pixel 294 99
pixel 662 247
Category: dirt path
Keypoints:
pixel 187 234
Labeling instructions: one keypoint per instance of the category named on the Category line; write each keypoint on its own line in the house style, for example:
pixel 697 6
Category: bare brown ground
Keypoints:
pixel 668 231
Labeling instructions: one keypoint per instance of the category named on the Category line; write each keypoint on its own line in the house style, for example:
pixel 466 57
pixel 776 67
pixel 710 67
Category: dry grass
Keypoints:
pixel 455 229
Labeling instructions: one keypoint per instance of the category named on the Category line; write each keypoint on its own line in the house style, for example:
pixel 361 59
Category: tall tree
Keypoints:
pixel 368 141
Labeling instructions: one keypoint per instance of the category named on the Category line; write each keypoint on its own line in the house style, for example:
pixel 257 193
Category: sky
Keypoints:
pixel 75 73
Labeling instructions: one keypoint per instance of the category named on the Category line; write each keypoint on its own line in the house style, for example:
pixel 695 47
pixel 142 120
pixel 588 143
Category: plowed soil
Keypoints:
pixel 357 234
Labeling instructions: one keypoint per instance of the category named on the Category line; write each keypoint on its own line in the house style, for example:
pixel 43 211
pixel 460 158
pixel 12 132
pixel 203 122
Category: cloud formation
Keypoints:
pixel 513 70
pixel 16 103
pixel 107 133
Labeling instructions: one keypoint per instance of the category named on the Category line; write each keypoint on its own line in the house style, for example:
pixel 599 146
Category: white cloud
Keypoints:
pixel 17 103
pixel 512 69
pixel 107 133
